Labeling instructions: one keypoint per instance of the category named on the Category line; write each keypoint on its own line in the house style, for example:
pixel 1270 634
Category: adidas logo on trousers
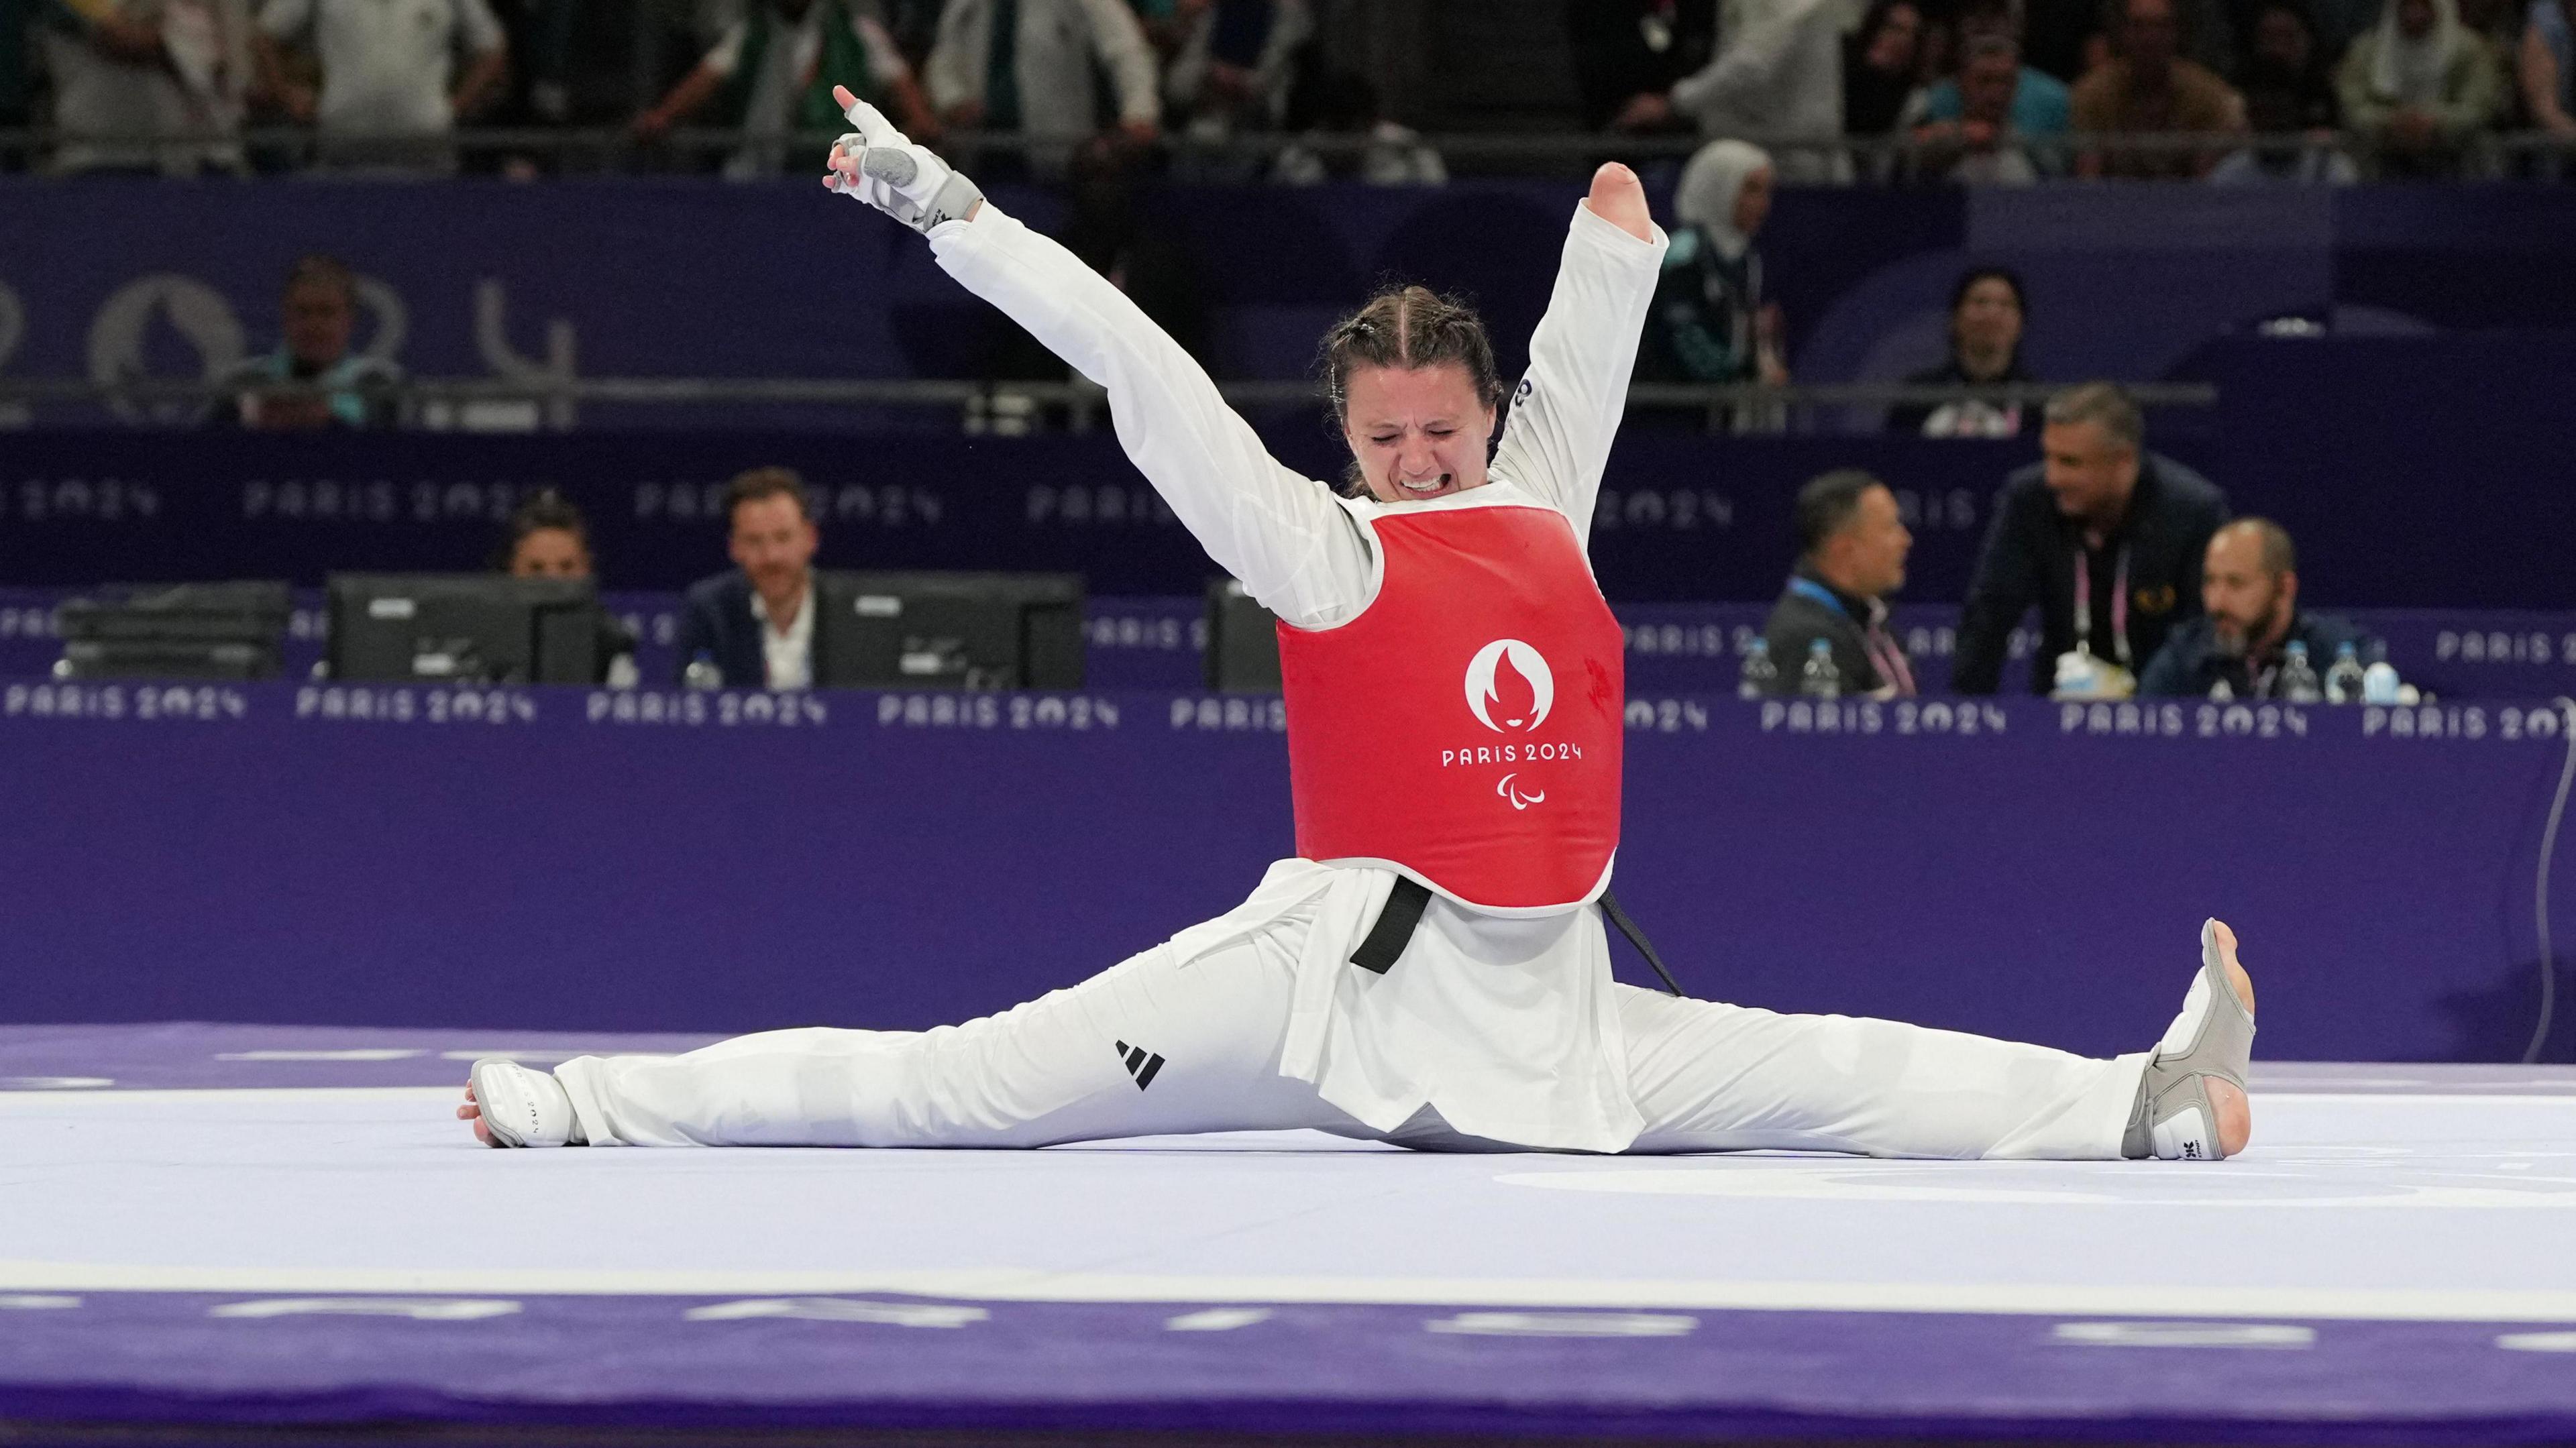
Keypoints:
pixel 1140 1063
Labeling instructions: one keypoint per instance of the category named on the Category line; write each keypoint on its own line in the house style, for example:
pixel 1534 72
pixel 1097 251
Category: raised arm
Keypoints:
pixel 1282 534
pixel 1567 408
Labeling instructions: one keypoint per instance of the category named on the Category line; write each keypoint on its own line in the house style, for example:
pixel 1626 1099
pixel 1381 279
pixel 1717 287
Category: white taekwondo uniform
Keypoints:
pixel 1491 1030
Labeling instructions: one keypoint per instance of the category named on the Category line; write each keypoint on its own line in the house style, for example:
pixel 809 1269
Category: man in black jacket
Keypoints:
pixel 756 623
pixel 2106 537
pixel 1852 547
pixel 2250 594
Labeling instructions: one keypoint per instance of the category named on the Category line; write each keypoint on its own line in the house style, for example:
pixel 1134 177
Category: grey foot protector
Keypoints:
pixel 2177 1079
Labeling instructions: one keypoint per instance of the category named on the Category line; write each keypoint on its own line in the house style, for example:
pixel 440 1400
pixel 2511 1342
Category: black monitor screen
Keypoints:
pixel 475 628
pixel 949 630
pixel 1242 642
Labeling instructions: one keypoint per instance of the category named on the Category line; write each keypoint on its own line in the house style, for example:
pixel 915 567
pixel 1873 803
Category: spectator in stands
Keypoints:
pixel 2062 39
pixel 1347 107
pixel 1852 547
pixel 756 623
pixel 325 383
pixel 1979 144
pixel 1031 74
pixel 391 88
pixel 2249 597
pixel 2285 53
pixel 1709 322
pixel 2548 68
pixel 547 537
pixel 2278 103
pixel 1629 53
pixel 1778 73
pixel 1881 62
pixel 148 86
pixel 1232 66
pixel 1987 312
pixel 2037 104
pixel 772 74
pixel 2148 89
pixel 2104 536
pixel 2418 87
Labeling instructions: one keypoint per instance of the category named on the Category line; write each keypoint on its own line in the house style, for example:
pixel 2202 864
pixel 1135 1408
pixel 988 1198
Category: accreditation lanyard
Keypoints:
pixel 2119 604
pixel 1884 655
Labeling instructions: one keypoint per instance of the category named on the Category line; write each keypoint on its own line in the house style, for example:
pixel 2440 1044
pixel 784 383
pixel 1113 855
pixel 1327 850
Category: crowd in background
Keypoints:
pixel 1976 91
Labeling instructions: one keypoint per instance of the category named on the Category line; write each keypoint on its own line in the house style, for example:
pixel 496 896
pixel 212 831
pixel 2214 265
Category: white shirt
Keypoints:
pixel 1505 1024
pixel 787 657
pixel 787 67
pixel 387 65
pixel 1054 50
pixel 118 107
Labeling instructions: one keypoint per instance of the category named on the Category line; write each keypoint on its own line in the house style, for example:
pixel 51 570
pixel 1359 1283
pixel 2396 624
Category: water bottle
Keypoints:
pixel 1759 677
pixel 2344 677
pixel 2298 681
pixel 702 673
pixel 1820 679
pixel 2379 683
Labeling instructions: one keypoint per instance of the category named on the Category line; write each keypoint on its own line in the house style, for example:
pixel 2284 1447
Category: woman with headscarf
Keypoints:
pixel 1709 322
pixel 2418 85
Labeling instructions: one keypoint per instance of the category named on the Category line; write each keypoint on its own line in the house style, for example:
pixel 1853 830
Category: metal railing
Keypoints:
pixel 614 148
pixel 556 400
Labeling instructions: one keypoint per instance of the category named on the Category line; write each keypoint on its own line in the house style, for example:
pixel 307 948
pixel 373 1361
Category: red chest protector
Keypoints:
pixel 1464 728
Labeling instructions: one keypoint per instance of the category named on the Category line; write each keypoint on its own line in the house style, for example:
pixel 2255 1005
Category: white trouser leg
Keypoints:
pixel 1047 1071
pixel 1713 1077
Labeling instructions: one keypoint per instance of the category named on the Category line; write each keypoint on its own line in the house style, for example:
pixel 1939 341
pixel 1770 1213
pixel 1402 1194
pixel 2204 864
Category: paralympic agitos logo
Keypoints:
pixel 1510 690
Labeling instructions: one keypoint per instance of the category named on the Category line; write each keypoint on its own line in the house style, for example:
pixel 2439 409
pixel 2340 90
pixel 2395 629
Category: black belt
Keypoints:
pixel 1403 913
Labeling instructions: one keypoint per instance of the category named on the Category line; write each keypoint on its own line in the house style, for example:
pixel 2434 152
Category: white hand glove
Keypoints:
pixel 882 167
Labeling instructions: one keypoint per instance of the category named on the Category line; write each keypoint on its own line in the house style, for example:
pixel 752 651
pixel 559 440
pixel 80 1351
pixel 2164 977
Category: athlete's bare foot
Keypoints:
pixel 2235 1112
pixel 470 1111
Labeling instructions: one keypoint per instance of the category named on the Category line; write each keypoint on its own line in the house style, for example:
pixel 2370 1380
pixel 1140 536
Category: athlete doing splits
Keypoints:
pixel 1431 969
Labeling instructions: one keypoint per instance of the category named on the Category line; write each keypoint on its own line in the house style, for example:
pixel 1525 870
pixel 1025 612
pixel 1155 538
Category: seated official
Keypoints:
pixel 2249 590
pixel 1852 556
pixel 547 537
pixel 2104 537
pixel 755 625
pixel 314 379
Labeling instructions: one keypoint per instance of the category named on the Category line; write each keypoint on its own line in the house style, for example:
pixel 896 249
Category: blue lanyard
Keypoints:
pixel 1809 588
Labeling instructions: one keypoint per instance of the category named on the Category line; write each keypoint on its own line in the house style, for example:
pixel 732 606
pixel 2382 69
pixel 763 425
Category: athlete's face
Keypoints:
pixel 1418 432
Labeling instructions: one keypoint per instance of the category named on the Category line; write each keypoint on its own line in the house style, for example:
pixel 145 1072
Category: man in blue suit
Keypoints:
pixel 755 624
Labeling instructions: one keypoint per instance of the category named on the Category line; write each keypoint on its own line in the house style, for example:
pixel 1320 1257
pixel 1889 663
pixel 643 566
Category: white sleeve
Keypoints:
pixel 478 28
pixel 1282 535
pixel 1119 40
pixel 726 55
pixel 1744 67
pixel 886 65
pixel 945 75
pixel 1566 410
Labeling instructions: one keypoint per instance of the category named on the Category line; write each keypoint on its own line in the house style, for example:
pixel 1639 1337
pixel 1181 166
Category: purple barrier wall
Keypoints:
pixel 565 859
pixel 110 279
pixel 2407 472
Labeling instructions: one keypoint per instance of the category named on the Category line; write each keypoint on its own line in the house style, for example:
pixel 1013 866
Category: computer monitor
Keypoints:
pixel 466 628
pixel 175 631
pixel 1242 642
pixel 949 630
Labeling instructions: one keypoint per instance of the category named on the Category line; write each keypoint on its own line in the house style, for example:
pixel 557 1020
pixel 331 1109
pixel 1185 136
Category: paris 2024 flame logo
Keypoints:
pixel 1510 690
